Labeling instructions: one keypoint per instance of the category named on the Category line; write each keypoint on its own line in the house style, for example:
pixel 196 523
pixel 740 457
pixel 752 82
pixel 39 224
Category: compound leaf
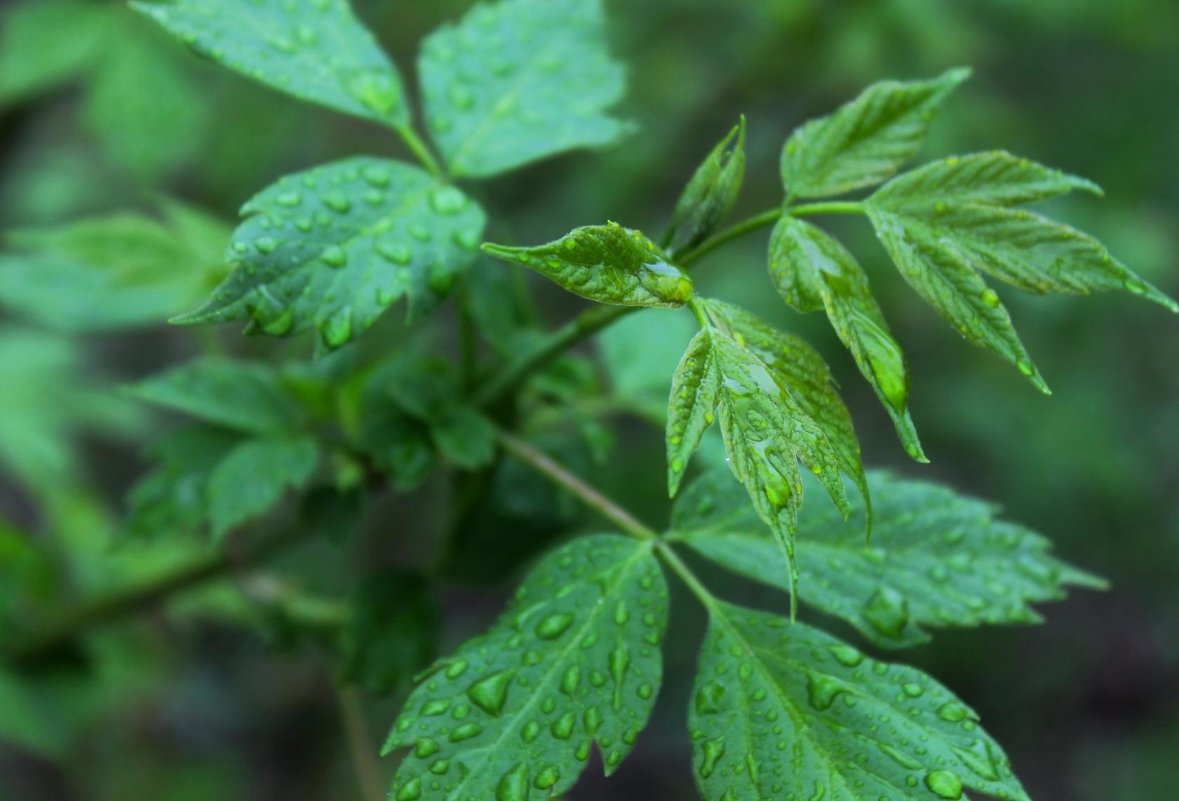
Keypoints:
pixel 779 704
pixel 316 50
pixel 865 141
pixel 947 222
pixel 710 193
pixel 518 81
pixel 334 246
pixel 240 395
pixel 514 713
pixel 937 558
pixel 695 389
pixel 606 263
pixel 814 271
pixel 254 476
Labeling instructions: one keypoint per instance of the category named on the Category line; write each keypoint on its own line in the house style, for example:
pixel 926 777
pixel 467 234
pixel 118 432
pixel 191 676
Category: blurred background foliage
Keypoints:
pixel 107 128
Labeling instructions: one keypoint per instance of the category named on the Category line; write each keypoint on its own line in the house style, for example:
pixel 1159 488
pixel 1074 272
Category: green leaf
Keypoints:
pixel 779 704
pixel 315 50
pixel 937 558
pixel 514 713
pixel 106 273
pixel 814 271
pixel 691 408
pixel 334 246
pixel 801 372
pixel 967 202
pixel 520 80
pixel 606 263
pixel 44 43
pixel 710 193
pixel 865 141
pixel 172 498
pixel 951 220
pixel 465 437
pixel 240 395
pixel 254 476
pixel 392 631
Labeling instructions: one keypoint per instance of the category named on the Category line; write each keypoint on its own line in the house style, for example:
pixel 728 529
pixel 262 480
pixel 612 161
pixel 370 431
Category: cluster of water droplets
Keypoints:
pixel 576 661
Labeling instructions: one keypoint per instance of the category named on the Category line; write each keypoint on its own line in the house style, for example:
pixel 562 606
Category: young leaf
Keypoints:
pixel 965 203
pixel 315 50
pixel 606 263
pixel 254 476
pixel 778 704
pixel 865 141
pixel 695 389
pixel 514 713
pixel 235 394
pixel 812 271
pixel 334 246
pixel 710 194
pixel 518 81
pixel 802 373
pixel 937 558
pixel 951 220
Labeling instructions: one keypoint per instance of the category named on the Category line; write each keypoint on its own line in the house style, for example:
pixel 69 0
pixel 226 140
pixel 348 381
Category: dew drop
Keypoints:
pixel 489 694
pixel 846 655
pixel 990 298
pixel 821 691
pixel 338 203
pixel 410 791
pixel 944 784
pixel 425 747
pixel 546 778
pixel 953 712
pixel 337 329
pixel 530 731
pixel 563 726
pixel 266 244
pixel 465 732
pixel 553 626
pixel 514 785
pixel 447 200
pixel 887 612
pixel 334 256
pixel 396 252
pixel 710 753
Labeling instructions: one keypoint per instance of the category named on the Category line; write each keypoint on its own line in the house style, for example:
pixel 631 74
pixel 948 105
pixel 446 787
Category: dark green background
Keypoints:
pixel 191 708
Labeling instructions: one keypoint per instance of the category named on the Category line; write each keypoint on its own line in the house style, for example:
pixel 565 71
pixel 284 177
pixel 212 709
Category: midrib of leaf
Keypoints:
pixel 797 716
pixel 642 548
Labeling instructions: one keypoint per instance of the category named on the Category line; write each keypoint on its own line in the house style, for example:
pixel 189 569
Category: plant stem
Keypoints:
pixel 672 559
pixel 734 231
pixel 581 490
pixel 419 149
pixel 834 207
pixel 121 602
pixel 360 743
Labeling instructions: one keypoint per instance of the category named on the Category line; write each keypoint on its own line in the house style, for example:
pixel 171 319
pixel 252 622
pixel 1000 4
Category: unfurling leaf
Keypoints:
pixel 949 221
pixel 520 80
pixel 514 713
pixel 695 388
pixel 937 558
pixel 778 704
pixel 315 50
pixel 606 263
pixel 814 271
pixel 710 193
pixel 254 476
pixel 334 246
pixel 865 141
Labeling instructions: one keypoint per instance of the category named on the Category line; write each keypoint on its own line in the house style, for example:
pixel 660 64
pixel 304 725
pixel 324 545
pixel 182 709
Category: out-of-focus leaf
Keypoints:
pixel 606 263
pixel 255 475
pixel 244 396
pixel 44 43
pixel 392 631
pixel 517 81
pixel 334 246
pixel 316 50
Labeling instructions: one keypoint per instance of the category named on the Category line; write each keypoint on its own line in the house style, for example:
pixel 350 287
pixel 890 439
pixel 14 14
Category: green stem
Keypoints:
pixel 673 561
pixel 560 476
pixel 734 231
pixel 125 601
pixel 419 149
pixel 698 311
pixel 360 744
pixel 834 207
